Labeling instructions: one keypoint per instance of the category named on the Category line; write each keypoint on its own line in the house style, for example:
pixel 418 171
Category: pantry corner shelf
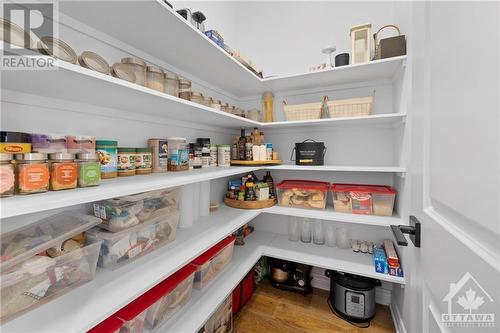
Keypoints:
pixel 341 168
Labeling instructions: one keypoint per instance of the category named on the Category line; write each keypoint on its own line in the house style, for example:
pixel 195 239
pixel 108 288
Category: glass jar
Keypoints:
pixel 254 114
pixel 207 101
pixel 32 173
pixel 213 155
pixel 143 161
pixel 178 154
pixel 138 67
pixel 225 107
pixel 155 78
pixel 89 169
pixel 216 104
pixel 268 107
pixel 185 89
pixel 126 162
pixel 171 84
pixel 7 176
pixel 107 151
pixel 197 97
pixel 63 171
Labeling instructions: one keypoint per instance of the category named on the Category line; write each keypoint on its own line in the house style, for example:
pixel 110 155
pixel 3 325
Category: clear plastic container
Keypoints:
pixel 363 199
pixel 197 97
pixel 155 78
pixel 222 319
pixel 213 261
pixel 171 84
pixel 302 193
pixel 125 246
pixel 155 307
pixel 138 67
pixel 185 89
pixel 124 212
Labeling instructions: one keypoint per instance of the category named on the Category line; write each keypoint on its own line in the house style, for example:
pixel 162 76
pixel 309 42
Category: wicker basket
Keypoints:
pixel 352 107
pixel 308 111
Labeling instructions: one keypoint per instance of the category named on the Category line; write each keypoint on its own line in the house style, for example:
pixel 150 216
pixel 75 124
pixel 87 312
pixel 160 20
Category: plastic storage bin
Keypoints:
pixel 214 260
pixel 159 304
pixel 363 199
pixel 222 320
pixel 302 193
pixel 122 247
pixel 121 213
pixel 30 280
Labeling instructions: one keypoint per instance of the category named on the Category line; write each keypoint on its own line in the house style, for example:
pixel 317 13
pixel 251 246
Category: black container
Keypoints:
pixel 309 152
pixel 342 59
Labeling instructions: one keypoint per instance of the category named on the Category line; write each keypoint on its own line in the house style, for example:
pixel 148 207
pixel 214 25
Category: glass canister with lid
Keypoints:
pixel 89 169
pixel 178 154
pixel 32 171
pixel 207 101
pixel 216 104
pixel 7 175
pixel 155 78
pixel 171 84
pixel 138 67
pixel 197 97
pixel 185 89
pixel 63 171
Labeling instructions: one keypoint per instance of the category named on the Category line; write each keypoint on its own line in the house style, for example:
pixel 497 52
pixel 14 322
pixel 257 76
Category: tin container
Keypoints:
pixel 107 151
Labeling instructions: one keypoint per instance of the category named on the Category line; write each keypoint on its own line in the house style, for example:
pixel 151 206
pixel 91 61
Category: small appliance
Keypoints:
pixel 352 296
pixel 309 152
pixel 290 276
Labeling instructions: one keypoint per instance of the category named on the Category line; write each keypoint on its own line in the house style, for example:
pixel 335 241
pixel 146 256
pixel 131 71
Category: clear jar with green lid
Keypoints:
pixel 32 173
pixel 143 161
pixel 197 97
pixel 63 171
pixel 7 175
pixel 89 169
pixel 138 67
pixel 126 161
pixel 171 84
pixel 185 89
pixel 155 78
pixel 107 151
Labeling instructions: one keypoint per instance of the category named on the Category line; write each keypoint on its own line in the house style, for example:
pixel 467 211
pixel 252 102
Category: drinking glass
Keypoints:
pixel 330 235
pixel 305 235
pixel 343 238
pixel 293 229
pixel 318 233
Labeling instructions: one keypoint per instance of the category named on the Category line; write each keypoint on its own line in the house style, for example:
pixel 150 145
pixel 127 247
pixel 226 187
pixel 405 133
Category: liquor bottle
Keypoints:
pixel 270 182
pixel 242 145
pixel 250 190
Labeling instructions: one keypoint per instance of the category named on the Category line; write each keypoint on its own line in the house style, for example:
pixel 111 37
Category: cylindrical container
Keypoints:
pixel 225 107
pixel 342 59
pixel 171 84
pixel 254 114
pixel 198 155
pixel 186 206
pixel 224 155
pixel 138 67
pixel 255 152
pixel 159 149
pixel 80 144
pixel 178 154
pixel 143 158
pixel 63 171
pixel 126 161
pixel 305 234
pixel 205 198
pixel 89 169
pixel 191 154
pixel 7 175
pixel 15 142
pixel 197 97
pixel 108 157
pixel 330 239
pixel 48 143
pixel 268 107
pixel 207 101
pixel 32 173
pixel 185 89
pixel 269 151
pixel 155 78
pixel 216 104
pixel 205 156
pixel 213 155
pixel 249 151
pixel 276 156
pixel 318 232
pixel 262 152
pixel 293 229
pixel 342 238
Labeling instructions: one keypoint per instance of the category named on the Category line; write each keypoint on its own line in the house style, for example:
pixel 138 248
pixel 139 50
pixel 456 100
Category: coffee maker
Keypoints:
pixel 287 275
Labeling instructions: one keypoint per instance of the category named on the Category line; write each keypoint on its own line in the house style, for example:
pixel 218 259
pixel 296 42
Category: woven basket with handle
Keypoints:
pixel 308 111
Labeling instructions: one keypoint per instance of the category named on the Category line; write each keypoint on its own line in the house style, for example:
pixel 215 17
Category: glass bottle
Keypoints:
pixel 242 145
pixel 268 107
pixel 270 182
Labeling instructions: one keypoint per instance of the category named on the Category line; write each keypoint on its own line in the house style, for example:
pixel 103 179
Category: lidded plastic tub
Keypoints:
pixel 160 303
pixel 127 245
pixel 302 193
pixel 124 212
pixel 213 261
pixel 62 263
pixel 109 325
pixel 363 199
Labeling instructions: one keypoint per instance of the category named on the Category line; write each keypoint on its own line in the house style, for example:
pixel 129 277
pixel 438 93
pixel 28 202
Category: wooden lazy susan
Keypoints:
pixel 249 204
pixel 269 162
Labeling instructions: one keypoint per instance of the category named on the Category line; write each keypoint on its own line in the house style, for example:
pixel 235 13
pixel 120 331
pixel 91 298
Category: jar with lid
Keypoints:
pixel 107 151
pixel 216 104
pixel 197 161
pixel 205 156
pixel 213 155
pixel 197 97
pixel 7 175
pixel 32 173
pixel 207 101
pixel 63 171
pixel 185 89
pixel 155 78
pixel 178 154
pixel 171 84
pixel 126 161
pixel 225 107
pixel 254 114
pixel 138 67
pixel 223 155
pixel 89 169
pixel 143 161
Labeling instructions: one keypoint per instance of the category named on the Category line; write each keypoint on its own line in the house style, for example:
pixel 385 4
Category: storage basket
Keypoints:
pixel 308 111
pixel 351 107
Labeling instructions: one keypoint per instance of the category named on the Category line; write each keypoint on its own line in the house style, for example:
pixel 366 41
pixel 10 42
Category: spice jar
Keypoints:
pixel 89 169
pixel 197 97
pixel 178 154
pixel 143 161
pixel 138 67
pixel 185 89
pixel 7 176
pixel 155 78
pixel 171 84
pixel 126 162
pixel 63 171
pixel 32 173
pixel 108 154
pixel 213 155
pixel 224 155
pixel 197 156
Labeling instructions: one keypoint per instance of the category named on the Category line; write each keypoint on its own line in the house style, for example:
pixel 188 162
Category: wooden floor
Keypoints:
pixel 276 311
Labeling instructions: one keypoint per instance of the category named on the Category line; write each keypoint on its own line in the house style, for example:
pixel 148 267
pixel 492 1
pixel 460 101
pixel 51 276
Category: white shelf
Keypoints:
pixel 110 188
pixel 377 119
pixel 86 306
pixel 346 168
pixel 330 215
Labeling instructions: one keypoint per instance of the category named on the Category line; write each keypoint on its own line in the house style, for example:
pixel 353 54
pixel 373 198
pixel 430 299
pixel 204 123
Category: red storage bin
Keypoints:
pixel 363 199
pixel 158 304
pixel 110 325
pixel 302 193
pixel 243 291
